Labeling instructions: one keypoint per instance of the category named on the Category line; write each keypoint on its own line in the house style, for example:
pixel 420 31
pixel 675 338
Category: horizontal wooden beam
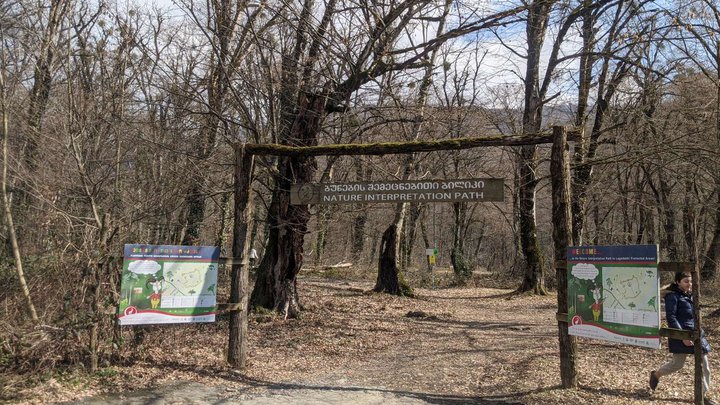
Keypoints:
pixel 394 148
pixel 677 333
pixel 228 307
pixel 229 261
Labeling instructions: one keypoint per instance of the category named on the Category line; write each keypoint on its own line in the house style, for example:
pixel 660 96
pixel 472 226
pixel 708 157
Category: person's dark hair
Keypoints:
pixel 681 275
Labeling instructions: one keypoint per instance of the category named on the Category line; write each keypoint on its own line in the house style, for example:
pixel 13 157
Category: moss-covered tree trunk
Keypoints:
pixel 275 287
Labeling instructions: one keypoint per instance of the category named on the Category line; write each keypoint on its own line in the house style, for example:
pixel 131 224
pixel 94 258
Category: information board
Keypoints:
pixel 168 284
pixel 613 293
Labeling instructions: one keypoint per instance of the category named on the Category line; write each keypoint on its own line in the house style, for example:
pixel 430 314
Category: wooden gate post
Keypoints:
pixel 239 280
pixel 697 335
pixel 562 235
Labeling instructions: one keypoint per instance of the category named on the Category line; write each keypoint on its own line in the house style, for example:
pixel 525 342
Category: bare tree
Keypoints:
pixel 309 95
pixel 606 59
pixel 7 201
pixel 700 20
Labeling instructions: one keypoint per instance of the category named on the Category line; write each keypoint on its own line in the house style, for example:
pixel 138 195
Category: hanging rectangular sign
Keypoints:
pixel 614 293
pixel 168 284
pixel 469 190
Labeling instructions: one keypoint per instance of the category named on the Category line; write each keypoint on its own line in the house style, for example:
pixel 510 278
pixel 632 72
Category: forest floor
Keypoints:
pixel 457 345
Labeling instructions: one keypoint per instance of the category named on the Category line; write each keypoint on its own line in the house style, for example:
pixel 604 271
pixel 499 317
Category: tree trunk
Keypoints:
pixel 362 173
pixel 534 276
pixel 689 221
pixel 93 281
pixel 414 212
pixel 321 238
pixel 668 219
pixel 460 266
pixel 227 39
pixel 710 264
pixel 7 204
pixel 42 78
pixel 389 279
pixel 283 258
pixel 358 233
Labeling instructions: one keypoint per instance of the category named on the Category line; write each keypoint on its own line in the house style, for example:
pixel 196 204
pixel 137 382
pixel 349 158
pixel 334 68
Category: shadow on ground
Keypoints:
pixel 269 393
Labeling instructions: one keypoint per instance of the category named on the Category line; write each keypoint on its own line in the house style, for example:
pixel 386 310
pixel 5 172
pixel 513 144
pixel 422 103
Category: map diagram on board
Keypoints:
pixel 189 285
pixel 630 295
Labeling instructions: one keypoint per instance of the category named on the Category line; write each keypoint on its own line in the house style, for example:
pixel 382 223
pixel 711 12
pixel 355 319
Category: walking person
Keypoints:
pixel 679 315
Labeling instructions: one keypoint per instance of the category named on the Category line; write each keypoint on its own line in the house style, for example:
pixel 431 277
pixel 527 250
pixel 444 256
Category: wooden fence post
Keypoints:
pixel 239 279
pixel 697 335
pixel 562 234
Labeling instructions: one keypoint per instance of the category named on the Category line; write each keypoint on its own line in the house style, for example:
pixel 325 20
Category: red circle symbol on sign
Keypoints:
pixel 576 320
pixel 130 311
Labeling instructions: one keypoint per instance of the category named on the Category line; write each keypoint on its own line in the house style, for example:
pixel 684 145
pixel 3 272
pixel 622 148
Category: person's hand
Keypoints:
pixel 687 342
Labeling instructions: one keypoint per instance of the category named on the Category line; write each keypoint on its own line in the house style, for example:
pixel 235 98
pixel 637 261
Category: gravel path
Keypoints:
pixel 284 394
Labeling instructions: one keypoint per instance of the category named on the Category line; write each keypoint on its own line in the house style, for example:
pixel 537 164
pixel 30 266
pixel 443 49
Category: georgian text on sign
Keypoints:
pixel 469 190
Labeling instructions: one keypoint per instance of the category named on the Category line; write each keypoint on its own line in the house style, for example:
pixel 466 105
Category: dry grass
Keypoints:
pixel 470 342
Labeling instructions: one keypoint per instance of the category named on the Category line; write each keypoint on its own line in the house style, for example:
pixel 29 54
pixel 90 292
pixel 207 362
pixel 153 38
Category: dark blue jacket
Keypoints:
pixel 679 315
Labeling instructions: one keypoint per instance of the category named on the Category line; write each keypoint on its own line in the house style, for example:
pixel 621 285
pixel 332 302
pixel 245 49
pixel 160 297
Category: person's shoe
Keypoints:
pixel 654 380
pixel 709 401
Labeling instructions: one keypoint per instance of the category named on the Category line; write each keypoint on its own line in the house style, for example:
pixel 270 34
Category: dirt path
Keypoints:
pixel 458 346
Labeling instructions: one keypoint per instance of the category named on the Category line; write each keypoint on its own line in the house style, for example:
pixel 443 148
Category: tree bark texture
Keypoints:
pixel 461 267
pixel 534 274
pixel 562 238
pixel 283 258
pixel 239 282
pixel 411 230
pixel 358 233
